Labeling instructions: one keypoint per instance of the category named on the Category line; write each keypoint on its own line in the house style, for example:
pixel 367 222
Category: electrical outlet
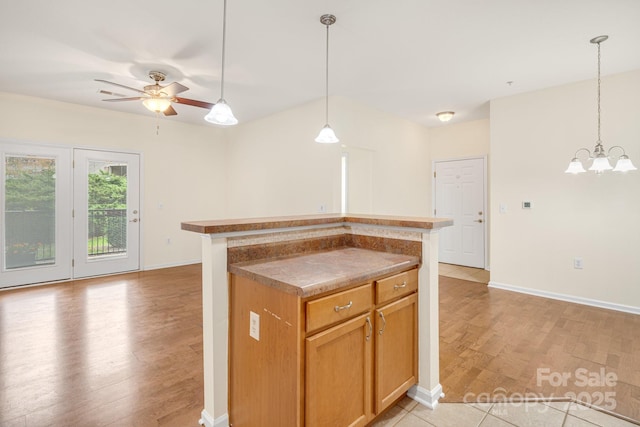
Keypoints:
pixel 577 263
pixel 254 325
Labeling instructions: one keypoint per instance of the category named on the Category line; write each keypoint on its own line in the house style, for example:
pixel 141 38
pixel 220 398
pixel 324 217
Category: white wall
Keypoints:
pixel 533 137
pixel 183 166
pixel 276 168
pixel 456 140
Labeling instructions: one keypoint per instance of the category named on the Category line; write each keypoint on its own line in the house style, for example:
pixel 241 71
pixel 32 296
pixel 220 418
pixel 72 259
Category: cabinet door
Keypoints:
pixel 396 362
pixel 338 381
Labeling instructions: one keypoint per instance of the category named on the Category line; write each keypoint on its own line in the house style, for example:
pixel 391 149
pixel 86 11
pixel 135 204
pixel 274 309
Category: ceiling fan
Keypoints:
pixel 155 97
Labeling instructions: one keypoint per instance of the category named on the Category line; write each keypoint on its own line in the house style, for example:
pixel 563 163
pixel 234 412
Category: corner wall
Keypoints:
pixel 533 137
pixel 276 168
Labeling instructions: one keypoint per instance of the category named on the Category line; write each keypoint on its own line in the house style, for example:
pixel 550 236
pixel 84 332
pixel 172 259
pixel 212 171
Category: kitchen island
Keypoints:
pixel 304 264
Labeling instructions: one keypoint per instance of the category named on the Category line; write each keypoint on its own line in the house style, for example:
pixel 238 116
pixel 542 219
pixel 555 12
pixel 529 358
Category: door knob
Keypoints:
pixel 134 220
pixel 478 220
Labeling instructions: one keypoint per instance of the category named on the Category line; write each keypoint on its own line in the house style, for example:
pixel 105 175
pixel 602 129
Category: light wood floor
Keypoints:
pixel 126 350
pixel 119 351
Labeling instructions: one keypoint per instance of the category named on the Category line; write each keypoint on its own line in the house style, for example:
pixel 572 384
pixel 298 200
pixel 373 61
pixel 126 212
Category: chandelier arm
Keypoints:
pixel 616 146
pixel 583 149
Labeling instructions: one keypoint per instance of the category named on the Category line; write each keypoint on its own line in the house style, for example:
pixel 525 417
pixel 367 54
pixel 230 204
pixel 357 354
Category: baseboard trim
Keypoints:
pixel 566 298
pixel 207 420
pixel 173 264
pixel 428 398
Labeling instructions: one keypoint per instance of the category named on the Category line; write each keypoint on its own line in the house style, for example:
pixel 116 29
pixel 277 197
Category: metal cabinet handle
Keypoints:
pixel 404 285
pixel 384 323
pixel 368 337
pixel 337 308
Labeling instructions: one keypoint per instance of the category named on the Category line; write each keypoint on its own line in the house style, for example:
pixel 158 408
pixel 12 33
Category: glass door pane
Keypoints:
pixel 107 209
pixel 29 206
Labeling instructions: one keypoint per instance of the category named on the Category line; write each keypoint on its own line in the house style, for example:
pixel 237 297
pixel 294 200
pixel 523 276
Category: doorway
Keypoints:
pixel 460 193
pixel 61 222
pixel 106 212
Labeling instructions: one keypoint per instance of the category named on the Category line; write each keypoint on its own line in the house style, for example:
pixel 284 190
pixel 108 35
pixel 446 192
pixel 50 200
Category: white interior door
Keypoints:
pixel 106 212
pixel 36 214
pixel 459 194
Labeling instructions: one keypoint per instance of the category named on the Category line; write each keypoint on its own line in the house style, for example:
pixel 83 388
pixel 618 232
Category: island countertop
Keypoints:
pixel 317 273
pixel 223 226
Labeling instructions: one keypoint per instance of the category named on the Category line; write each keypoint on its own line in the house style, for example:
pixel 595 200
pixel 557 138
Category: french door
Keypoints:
pixel 460 194
pixel 106 211
pixel 36 214
pixel 60 221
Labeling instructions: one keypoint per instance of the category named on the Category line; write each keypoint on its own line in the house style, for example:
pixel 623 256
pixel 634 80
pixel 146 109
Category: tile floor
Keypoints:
pixel 464 273
pixel 408 413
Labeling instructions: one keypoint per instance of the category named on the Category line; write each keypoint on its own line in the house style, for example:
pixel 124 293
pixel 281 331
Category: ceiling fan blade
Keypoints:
pixel 119 85
pixel 170 111
pixel 136 98
pixel 174 88
pixel 106 92
pixel 194 103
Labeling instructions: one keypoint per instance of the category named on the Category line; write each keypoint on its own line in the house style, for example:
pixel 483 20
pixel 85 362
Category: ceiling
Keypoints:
pixel 411 58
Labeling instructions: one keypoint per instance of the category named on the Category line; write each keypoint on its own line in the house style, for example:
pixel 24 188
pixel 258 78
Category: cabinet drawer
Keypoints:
pixel 338 307
pixel 396 286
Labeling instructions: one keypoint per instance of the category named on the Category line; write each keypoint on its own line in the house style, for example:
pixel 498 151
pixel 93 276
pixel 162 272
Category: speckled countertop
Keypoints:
pixel 260 224
pixel 317 273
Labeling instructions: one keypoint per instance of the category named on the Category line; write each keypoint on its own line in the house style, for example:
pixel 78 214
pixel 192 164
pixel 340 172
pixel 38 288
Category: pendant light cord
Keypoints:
pixel 326 103
pixel 224 32
pixel 598 92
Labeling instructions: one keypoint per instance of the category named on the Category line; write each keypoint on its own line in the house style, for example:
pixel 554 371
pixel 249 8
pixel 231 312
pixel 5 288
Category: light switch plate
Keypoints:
pixel 254 325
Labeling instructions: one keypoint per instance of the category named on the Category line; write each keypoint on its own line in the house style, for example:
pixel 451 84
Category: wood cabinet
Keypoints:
pixel 337 360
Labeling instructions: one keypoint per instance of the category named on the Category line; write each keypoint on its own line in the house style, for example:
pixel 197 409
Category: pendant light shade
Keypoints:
pixel 600 157
pixel 575 167
pixel 221 113
pixel 327 135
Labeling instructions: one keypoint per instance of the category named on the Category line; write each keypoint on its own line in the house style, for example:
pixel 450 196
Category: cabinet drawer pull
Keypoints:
pixel 384 323
pixel 337 308
pixel 404 285
pixel 368 337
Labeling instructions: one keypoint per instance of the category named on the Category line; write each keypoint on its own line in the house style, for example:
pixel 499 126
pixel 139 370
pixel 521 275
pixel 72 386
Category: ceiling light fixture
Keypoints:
pixel 600 157
pixel 445 116
pixel 327 135
pixel 221 113
pixel 157 104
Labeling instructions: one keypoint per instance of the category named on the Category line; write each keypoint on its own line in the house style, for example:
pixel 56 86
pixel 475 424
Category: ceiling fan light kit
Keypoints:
pixel 327 135
pixel 155 97
pixel 600 156
pixel 221 113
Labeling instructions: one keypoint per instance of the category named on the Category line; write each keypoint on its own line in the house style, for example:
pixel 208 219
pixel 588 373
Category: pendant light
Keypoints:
pixel 600 157
pixel 221 113
pixel 327 135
